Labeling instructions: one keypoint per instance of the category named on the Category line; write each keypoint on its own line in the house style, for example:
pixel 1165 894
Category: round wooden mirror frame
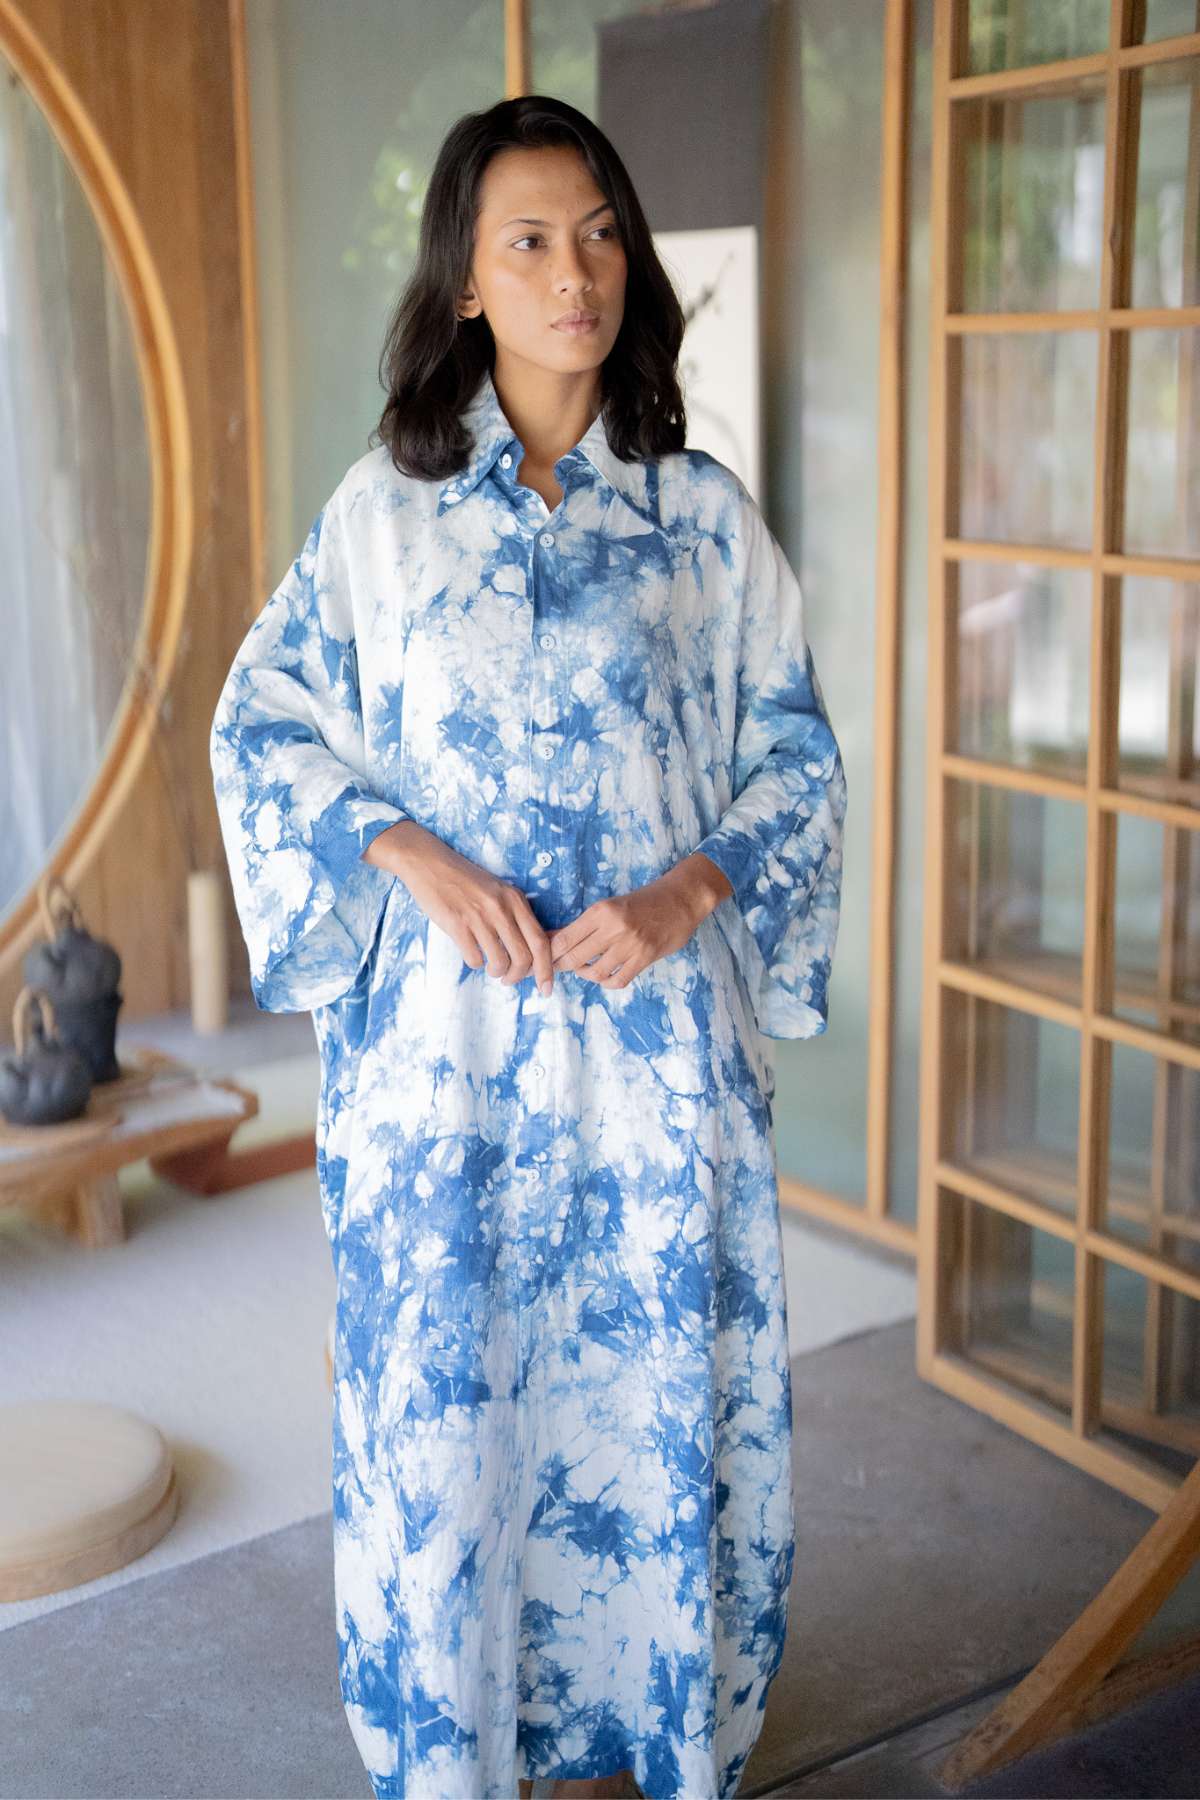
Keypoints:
pixel 164 407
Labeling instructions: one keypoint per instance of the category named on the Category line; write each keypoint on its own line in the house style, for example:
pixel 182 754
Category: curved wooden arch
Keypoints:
pixel 164 407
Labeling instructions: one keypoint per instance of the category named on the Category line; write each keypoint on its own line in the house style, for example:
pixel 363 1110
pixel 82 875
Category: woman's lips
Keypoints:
pixel 581 326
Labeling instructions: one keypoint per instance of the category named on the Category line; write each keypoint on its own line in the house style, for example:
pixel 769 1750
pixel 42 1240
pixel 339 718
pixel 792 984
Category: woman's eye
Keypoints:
pixel 534 237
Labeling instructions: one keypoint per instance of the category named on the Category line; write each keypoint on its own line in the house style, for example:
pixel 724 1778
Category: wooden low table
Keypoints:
pixel 160 1109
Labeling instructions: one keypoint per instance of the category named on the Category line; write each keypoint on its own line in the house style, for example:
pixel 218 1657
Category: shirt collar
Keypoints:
pixel 493 434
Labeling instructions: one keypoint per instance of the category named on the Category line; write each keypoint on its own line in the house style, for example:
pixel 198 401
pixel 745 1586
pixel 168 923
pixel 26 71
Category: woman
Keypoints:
pixel 529 793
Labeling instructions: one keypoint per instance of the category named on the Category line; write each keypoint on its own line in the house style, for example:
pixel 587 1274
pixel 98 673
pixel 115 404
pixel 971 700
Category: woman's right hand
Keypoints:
pixel 490 920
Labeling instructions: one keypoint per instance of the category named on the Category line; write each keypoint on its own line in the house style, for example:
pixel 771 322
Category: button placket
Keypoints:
pixel 544 737
pixel 544 728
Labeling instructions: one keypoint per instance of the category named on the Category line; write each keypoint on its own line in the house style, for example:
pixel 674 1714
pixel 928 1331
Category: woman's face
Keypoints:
pixel 546 243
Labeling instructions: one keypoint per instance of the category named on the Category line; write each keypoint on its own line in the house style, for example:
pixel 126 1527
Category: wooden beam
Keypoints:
pixel 1057 1694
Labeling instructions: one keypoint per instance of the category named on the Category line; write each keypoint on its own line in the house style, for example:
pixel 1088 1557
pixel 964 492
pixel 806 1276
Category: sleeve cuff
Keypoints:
pixel 348 824
pixel 740 861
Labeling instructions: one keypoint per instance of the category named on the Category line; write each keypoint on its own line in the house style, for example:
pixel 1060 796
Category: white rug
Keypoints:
pixel 210 1321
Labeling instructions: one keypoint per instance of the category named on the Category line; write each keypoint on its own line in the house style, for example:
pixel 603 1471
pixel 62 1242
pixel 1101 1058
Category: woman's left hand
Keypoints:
pixel 614 939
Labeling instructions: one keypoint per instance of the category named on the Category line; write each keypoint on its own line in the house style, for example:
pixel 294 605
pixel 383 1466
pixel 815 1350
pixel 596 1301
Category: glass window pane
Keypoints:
pixel 1022 689
pixel 1012 1300
pixel 1159 718
pixel 1156 945
pixel 1009 34
pixel 1166 253
pixel 1153 1191
pixel 1026 442
pixel 1033 196
pixel 1016 888
pixel 1150 1391
pixel 1162 483
pixel 349 106
pixel 822 411
pixel 1013 1113
pixel 1163 19
pixel 562 48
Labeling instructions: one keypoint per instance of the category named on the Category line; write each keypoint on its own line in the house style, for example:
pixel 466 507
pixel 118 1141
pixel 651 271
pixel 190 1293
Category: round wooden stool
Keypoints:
pixel 87 1488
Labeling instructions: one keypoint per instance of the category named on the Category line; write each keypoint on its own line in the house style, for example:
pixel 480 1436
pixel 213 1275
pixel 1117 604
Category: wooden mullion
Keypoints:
pixel 1038 1216
pixel 1005 992
pixel 985 773
pixel 1037 80
pixel 1170 1335
pixel 1028 80
pixel 1129 1471
pixel 516 48
pixel 1052 556
pixel 1132 318
pixel 888 603
pixel 935 1244
pixel 1095 1055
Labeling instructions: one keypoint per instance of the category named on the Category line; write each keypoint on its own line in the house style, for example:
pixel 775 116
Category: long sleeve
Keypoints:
pixel 779 842
pixel 295 809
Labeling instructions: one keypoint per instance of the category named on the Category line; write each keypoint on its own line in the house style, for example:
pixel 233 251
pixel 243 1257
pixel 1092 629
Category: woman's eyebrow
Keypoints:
pixel 605 207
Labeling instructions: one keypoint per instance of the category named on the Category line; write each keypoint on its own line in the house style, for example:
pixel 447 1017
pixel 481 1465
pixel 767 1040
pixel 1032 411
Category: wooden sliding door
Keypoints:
pixel 1059 1225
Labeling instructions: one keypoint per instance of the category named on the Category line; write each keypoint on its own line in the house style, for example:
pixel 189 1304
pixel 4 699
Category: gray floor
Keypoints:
pixel 1152 1750
pixel 249 1036
pixel 938 1556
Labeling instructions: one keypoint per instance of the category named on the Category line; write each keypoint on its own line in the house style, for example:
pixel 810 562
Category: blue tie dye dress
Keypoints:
pixel 562 1505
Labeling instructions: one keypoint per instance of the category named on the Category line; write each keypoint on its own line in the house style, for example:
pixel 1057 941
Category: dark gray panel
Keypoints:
pixel 683 96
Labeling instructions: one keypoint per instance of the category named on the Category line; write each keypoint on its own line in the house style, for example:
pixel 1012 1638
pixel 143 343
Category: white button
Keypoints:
pixel 546 639
pixel 542 858
pixel 506 461
pixel 546 538
pixel 546 750
pixel 538 1070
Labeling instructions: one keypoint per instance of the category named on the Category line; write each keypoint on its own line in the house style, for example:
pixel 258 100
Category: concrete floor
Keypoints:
pixel 1152 1750
pixel 938 1556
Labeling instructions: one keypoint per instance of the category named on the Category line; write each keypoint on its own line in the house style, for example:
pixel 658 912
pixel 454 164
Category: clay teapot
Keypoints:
pixel 45 1081
pixel 81 975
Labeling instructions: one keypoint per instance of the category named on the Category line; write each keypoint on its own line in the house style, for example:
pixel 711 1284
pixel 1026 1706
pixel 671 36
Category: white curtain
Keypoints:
pixel 74 493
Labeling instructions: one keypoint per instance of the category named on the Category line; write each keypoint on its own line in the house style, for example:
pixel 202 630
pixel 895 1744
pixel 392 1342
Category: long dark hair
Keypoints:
pixel 432 361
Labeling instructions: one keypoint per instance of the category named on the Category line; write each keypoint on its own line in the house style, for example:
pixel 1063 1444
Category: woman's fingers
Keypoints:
pixel 592 941
pixel 486 917
pixel 536 941
pixel 495 951
pixel 513 942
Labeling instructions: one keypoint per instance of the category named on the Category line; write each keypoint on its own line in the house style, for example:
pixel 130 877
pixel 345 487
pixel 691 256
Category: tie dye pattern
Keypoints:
pixel 562 1502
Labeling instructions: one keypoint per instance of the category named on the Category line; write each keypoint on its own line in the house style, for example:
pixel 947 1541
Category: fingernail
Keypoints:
pixel 545 987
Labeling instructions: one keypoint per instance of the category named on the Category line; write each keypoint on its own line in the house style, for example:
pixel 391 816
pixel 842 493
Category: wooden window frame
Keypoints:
pixel 944 1185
